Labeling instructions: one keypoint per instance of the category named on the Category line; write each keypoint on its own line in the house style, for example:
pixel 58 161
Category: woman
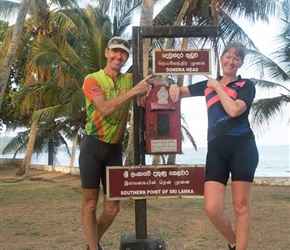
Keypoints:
pixel 231 144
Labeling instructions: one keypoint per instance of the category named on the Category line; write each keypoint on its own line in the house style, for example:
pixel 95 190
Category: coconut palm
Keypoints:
pixel 38 26
pixel 6 66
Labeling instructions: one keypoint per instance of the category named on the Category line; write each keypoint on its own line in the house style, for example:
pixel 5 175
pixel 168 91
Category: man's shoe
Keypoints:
pixel 231 248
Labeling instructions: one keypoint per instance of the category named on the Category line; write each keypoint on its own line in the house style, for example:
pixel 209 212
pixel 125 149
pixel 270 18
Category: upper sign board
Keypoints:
pixel 181 62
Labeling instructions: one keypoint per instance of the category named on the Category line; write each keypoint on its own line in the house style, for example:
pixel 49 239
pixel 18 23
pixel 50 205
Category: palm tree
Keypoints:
pixel 276 68
pixel 6 66
pixel 37 26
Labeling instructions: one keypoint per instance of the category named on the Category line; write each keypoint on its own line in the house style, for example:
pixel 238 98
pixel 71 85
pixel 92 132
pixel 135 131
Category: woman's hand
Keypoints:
pixel 212 82
pixel 174 92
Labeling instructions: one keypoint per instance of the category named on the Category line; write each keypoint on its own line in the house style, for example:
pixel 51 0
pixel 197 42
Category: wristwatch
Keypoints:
pixel 152 84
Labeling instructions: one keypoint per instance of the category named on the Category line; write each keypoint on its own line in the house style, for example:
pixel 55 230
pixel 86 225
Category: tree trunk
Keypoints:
pixel 155 159
pixel 73 151
pixel 171 159
pixel 146 19
pixel 215 22
pixel 50 151
pixel 147 9
pixel 129 161
pixel 6 68
pixel 177 22
pixel 28 153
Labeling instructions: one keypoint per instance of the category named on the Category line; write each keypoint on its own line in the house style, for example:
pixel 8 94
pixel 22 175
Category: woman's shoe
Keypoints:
pixel 231 248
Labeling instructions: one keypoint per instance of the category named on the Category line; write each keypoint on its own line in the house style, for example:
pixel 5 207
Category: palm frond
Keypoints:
pixel 67 3
pixel 9 9
pixel 169 13
pixel 265 110
pixel 282 54
pixel 17 143
pixel 4 44
pixel 185 133
pixel 269 84
pixel 188 136
pixel 231 31
pixel 47 54
pixel 63 101
pixel 254 10
pixel 267 65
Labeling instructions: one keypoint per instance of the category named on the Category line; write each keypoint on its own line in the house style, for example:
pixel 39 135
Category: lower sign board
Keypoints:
pixel 142 182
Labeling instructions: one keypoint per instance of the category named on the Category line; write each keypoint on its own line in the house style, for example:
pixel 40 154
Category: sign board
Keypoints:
pixel 181 62
pixel 141 182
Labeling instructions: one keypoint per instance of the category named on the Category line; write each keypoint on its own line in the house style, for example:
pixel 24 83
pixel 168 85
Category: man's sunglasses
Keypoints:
pixel 120 41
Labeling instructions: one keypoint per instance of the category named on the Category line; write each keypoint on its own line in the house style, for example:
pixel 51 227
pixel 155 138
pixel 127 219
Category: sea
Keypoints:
pixel 274 161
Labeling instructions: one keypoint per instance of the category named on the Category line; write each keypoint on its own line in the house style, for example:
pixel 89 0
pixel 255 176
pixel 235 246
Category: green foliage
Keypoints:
pixel 10 113
pixel 3 28
pixel 58 49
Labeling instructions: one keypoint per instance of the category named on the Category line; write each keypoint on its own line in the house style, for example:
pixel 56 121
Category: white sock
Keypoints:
pixel 232 245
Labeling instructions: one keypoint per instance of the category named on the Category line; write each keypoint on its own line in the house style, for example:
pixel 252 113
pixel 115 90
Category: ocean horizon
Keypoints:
pixel 273 160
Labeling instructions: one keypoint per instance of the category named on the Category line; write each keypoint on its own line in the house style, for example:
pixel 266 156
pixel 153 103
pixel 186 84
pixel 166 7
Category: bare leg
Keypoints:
pixel 89 220
pixel 107 216
pixel 214 195
pixel 241 192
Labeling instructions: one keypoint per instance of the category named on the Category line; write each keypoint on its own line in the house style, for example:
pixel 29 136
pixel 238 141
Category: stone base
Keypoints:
pixel 153 242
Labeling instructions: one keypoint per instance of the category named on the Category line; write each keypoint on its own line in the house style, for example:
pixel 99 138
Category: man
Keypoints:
pixel 108 94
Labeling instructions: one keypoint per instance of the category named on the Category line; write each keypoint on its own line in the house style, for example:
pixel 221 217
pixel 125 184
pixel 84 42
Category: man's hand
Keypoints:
pixel 142 97
pixel 157 81
pixel 141 100
pixel 143 87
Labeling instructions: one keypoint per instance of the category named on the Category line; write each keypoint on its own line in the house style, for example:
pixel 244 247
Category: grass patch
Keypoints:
pixel 38 191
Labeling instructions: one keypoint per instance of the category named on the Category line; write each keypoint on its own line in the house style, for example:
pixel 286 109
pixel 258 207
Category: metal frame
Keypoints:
pixel 139 33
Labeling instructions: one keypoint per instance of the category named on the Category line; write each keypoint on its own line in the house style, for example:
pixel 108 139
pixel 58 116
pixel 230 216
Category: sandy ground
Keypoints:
pixel 43 212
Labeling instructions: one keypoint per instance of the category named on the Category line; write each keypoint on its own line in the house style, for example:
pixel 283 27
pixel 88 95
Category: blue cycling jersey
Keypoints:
pixel 219 122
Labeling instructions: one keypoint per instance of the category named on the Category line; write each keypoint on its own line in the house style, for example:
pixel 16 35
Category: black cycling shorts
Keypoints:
pixel 95 156
pixel 233 155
